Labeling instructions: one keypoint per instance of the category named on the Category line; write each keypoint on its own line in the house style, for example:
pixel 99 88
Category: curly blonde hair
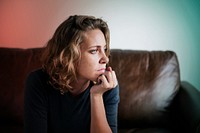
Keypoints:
pixel 62 52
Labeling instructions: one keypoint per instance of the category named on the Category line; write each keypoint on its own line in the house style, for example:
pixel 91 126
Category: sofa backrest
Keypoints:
pixel 15 64
pixel 148 83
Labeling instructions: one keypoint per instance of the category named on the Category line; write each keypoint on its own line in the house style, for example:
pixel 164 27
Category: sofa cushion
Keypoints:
pixel 148 82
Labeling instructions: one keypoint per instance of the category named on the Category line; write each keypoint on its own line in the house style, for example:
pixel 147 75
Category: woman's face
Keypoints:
pixel 93 58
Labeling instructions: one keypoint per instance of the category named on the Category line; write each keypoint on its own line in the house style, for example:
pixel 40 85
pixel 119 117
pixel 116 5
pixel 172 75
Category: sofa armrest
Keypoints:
pixel 188 107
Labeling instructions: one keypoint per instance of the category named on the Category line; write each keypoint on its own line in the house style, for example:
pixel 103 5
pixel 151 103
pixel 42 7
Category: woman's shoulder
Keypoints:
pixel 38 72
pixel 37 75
pixel 36 90
pixel 37 78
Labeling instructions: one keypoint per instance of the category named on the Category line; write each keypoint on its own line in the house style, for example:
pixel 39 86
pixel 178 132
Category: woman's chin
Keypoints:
pixel 95 80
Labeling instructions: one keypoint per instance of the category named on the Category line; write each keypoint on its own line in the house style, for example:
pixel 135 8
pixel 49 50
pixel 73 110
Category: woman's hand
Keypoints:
pixel 106 81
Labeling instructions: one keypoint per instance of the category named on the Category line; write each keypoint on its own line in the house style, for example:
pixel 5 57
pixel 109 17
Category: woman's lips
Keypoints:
pixel 102 70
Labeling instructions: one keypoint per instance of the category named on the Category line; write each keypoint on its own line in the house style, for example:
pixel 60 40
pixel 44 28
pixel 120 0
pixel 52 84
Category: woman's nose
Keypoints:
pixel 104 59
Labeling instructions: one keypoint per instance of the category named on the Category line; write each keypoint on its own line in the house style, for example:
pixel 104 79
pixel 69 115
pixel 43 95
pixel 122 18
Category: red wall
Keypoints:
pixel 28 23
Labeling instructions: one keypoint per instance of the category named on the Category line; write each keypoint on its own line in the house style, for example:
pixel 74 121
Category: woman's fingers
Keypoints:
pixel 114 77
pixel 109 79
pixel 105 81
pixel 115 82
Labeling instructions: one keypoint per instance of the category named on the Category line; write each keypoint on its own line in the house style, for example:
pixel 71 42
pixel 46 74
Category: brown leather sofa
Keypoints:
pixel 152 97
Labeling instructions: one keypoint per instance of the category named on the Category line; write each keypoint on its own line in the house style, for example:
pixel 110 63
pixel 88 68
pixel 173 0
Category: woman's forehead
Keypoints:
pixel 93 38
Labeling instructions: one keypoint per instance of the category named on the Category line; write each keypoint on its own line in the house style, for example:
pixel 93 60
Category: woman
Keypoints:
pixel 74 91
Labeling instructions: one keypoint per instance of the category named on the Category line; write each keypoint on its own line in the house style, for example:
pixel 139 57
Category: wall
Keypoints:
pixel 134 24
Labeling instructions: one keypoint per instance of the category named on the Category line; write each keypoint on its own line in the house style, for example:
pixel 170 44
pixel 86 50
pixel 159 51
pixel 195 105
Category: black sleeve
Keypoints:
pixel 35 105
pixel 111 101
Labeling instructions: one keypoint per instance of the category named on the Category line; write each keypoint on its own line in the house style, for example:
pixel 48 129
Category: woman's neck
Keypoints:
pixel 78 87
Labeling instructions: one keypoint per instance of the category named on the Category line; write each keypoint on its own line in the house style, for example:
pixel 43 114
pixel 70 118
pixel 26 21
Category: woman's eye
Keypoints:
pixel 94 51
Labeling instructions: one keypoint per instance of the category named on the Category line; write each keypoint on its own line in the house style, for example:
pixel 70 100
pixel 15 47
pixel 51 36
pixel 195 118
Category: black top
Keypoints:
pixel 47 111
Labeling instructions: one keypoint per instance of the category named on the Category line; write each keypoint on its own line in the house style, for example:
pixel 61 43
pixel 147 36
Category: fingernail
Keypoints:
pixel 109 69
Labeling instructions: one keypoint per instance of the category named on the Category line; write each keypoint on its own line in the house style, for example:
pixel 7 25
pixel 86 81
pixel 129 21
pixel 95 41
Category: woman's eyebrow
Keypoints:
pixel 97 46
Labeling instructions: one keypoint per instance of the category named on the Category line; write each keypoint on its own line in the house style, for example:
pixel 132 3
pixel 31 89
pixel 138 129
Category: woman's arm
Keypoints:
pixel 35 106
pixel 99 122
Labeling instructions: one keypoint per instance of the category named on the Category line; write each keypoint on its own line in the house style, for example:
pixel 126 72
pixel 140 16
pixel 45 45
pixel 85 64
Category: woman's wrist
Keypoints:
pixel 95 95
